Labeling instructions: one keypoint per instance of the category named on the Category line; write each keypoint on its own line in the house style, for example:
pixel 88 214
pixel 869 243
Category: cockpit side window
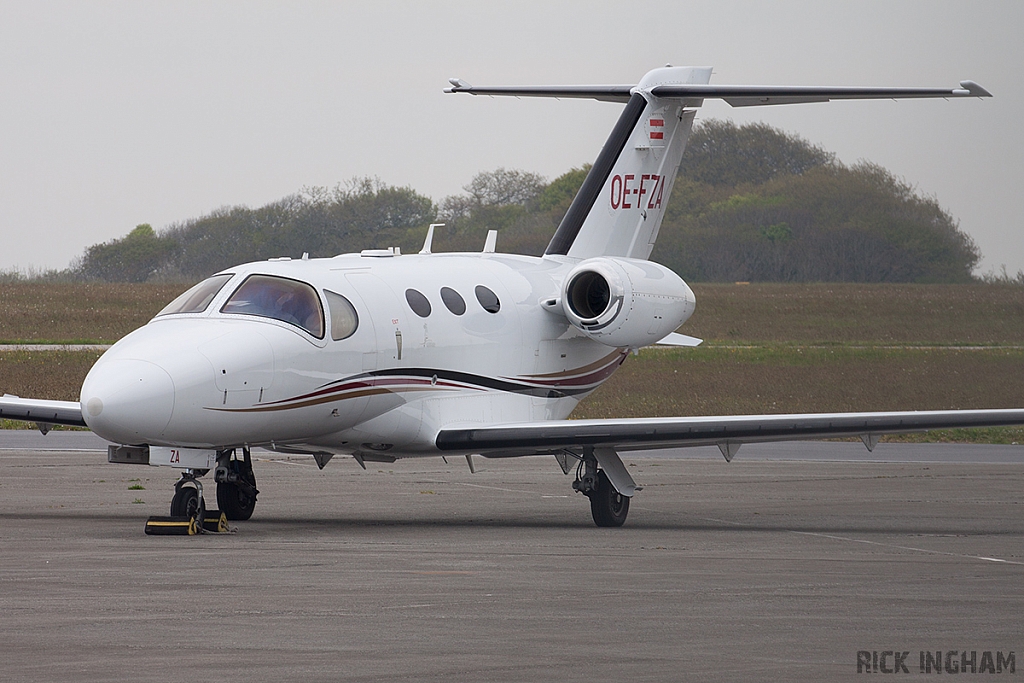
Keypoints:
pixel 196 299
pixel 344 319
pixel 279 298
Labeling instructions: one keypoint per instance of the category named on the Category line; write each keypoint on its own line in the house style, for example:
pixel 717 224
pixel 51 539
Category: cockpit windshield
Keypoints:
pixel 279 298
pixel 196 299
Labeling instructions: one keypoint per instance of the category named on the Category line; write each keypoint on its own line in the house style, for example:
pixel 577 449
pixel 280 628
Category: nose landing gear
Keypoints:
pixel 189 515
pixel 188 496
pixel 236 497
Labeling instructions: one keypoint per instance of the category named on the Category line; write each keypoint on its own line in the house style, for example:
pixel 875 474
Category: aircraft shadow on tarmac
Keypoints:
pixel 339 525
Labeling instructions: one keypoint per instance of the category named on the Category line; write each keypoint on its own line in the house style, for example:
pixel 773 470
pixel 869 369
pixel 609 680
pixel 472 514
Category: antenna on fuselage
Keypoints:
pixel 430 237
pixel 491 242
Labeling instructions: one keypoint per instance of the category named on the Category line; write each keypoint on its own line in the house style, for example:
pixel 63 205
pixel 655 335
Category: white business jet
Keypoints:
pixel 382 355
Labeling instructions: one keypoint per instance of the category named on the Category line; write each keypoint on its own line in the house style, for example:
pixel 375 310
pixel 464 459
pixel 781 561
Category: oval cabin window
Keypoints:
pixel 453 301
pixel 488 299
pixel 417 302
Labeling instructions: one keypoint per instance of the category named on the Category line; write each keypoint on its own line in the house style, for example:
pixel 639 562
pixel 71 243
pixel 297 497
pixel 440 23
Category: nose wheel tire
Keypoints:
pixel 608 507
pixel 186 502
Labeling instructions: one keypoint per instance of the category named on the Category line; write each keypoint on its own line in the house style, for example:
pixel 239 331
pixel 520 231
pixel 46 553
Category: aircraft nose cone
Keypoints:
pixel 127 401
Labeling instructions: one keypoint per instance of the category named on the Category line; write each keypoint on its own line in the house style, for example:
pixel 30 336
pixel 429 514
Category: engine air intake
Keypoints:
pixel 589 295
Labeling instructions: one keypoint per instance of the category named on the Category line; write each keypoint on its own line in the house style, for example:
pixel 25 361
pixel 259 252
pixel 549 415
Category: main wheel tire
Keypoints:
pixel 608 507
pixel 185 502
pixel 235 502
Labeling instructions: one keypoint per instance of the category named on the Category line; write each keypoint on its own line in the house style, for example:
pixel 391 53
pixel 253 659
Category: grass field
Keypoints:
pixel 93 313
pixel 859 314
pixel 796 379
pixel 769 349
pixel 56 375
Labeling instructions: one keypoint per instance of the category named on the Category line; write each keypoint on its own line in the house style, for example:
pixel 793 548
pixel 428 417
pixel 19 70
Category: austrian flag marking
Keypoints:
pixel 657 128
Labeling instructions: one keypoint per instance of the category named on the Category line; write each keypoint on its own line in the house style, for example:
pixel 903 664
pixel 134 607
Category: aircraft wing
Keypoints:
pixel 41 411
pixel 727 432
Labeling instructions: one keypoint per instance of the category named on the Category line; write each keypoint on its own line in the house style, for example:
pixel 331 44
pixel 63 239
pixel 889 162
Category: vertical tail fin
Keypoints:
pixel 619 209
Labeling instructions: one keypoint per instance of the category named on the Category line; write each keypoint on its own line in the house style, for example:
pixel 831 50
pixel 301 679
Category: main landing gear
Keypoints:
pixel 236 485
pixel 236 488
pixel 608 506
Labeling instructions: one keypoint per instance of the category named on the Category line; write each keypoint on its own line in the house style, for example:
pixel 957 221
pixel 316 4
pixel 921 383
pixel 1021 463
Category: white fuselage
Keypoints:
pixel 221 380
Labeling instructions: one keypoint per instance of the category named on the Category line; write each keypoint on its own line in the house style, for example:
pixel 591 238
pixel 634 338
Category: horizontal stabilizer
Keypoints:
pixel 605 93
pixel 736 95
pixel 756 95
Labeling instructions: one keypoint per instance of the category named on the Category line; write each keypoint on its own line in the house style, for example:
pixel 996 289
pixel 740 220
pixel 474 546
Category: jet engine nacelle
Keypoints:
pixel 625 302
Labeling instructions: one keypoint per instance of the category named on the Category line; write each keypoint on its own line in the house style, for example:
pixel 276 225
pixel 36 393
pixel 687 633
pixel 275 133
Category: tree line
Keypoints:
pixel 750 203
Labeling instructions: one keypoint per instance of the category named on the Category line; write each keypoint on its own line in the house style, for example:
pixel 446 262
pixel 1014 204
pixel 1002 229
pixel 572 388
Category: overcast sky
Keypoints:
pixel 119 113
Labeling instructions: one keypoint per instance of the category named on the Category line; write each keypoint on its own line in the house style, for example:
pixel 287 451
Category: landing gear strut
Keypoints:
pixel 236 485
pixel 607 506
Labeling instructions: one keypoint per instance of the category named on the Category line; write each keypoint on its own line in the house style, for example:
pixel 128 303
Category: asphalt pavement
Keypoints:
pixel 782 565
